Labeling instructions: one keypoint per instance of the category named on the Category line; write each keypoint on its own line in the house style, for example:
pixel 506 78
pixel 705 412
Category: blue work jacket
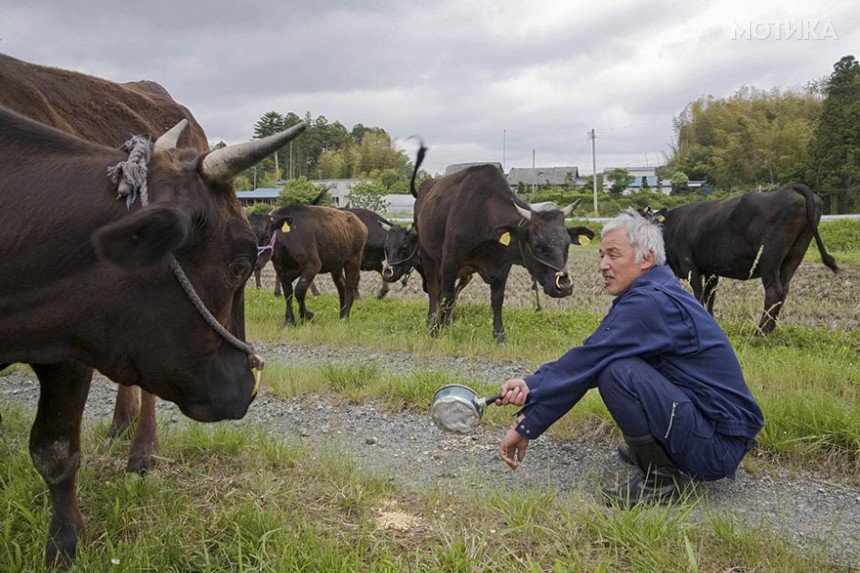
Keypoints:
pixel 656 320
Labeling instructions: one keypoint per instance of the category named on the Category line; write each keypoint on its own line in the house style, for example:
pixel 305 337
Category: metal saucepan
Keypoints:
pixel 457 408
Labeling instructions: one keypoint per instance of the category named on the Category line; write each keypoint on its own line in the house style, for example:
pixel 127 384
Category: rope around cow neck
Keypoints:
pixel 130 177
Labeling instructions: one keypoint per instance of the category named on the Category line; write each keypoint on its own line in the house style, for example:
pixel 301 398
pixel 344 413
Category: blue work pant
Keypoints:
pixel 643 402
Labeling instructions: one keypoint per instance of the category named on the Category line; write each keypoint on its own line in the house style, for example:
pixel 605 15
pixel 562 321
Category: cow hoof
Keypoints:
pixel 118 428
pixel 500 338
pixel 60 551
pixel 289 321
pixel 141 464
pixel 308 315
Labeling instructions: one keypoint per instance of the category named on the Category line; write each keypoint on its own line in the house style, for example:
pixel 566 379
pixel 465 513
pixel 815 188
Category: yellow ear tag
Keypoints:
pixel 285 228
pixel 583 240
pixel 505 239
pixel 661 218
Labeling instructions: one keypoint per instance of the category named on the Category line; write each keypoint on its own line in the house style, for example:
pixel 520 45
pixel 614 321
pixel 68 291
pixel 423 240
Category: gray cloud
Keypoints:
pixel 458 73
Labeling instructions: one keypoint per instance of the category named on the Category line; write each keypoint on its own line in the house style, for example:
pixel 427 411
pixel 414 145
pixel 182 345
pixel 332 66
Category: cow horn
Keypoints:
pixel 569 209
pixel 225 163
pixel 409 227
pixel 385 227
pixel 170 138
pixel 524 213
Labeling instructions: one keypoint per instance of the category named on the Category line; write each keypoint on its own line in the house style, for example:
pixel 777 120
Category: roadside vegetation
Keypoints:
pixel 229 498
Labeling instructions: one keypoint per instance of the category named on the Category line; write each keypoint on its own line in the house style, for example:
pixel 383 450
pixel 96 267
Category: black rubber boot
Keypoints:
pixel 658 481
pixel 625 454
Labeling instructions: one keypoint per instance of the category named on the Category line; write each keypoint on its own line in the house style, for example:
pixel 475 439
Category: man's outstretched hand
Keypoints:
pixel 512 448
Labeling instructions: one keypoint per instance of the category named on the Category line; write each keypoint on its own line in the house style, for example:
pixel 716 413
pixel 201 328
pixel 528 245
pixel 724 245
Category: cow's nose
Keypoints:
pixel 562 280
pixel 387 273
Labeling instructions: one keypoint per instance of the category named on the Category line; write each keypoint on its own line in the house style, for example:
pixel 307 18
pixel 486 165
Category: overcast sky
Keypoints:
pixel 458 73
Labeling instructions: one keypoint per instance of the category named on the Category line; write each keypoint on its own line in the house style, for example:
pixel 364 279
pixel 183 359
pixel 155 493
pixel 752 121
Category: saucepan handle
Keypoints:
pixel 492 399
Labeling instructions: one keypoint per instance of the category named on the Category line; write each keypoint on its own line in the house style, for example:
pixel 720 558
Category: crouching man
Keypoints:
pixel 664 369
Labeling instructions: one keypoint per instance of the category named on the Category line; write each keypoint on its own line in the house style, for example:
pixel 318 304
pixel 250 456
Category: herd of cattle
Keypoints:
pixel 149 290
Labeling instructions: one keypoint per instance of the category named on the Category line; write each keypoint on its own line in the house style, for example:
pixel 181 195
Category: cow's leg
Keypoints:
pixel 278 286
pixel 144 443
pixel 709 292
pixel 287 281
pixel 774 295
pixel 431 277
pixel 383 290
pixel 125 410
pixel 340 285
pixel 55 447
pixel 537 296
pixel 307 276
pixel 313 288
pixel 448 292
pixel 257 273
pixel 352 272
pixel 497 300
pixel 696 283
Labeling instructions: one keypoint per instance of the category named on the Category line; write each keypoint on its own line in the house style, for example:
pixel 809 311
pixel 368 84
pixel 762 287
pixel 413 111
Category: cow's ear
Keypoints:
pixel 143 239
pixel 506 234
pixel 284 224
pixel 580 235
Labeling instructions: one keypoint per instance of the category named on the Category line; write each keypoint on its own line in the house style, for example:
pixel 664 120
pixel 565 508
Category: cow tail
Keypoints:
pixel 419 159
pixel 319 197
pixel 826 258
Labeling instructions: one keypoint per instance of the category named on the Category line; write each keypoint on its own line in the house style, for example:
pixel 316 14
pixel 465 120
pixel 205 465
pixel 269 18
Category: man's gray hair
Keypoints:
pixel 644 236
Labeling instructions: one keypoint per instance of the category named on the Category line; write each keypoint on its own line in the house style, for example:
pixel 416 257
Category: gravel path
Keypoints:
pixel 808 510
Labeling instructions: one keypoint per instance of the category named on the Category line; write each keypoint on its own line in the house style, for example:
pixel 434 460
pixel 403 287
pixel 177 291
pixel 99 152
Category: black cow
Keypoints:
pixel 755 235
pixel 374 249
pixel 470 222
pixel 311 240
pixel 263 229
pixel 126 272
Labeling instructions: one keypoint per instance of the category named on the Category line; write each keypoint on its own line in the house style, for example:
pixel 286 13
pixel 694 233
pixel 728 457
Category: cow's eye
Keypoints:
pixel 240 269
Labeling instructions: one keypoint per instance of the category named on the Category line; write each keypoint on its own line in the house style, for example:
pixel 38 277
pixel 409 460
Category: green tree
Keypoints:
pixel 680 182
pixel 258 209
pixel 645 186
pixel 269 124
pixel 834 167
pixel 621 179
pixel 300 191
pixel 369 196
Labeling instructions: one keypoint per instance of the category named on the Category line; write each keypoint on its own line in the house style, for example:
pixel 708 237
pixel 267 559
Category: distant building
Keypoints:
pixel 339 189
pixel 544 176
pixel 268 195
pixel 651 181
pixel 454 167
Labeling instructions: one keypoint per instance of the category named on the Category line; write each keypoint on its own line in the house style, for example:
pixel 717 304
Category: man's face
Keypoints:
pixel 616 262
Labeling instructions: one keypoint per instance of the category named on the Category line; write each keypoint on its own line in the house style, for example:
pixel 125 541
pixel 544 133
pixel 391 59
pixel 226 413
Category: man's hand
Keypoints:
pixel 512 448
pixel 514 392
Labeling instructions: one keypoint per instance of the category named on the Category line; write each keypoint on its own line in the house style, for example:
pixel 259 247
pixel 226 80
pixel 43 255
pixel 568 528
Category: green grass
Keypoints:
pixel 807 380
pixel 234 499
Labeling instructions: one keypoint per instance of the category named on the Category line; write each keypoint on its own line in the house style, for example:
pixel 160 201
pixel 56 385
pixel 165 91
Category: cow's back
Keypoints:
pixel 323 233
pixel 92 108
pixel 460 210
pixel 725 237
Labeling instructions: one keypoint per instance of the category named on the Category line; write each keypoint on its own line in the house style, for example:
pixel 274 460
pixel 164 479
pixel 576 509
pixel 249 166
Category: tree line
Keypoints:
pixel 328 150
pixel 772 138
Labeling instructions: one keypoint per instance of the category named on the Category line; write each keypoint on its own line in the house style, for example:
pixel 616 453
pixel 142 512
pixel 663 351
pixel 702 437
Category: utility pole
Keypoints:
pixel 291 159
pixel 534 175
pixel 594 169
pixel 504 147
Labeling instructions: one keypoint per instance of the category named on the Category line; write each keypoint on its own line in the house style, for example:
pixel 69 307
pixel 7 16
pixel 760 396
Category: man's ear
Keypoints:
pixel 143 239
pixel 580 235
pixel 506 234
pixel 648 261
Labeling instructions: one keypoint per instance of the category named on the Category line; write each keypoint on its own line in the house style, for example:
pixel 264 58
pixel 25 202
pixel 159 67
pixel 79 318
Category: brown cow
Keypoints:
pixel 108 113
pixel 470 222
pixel 311 240
pixel 151 288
